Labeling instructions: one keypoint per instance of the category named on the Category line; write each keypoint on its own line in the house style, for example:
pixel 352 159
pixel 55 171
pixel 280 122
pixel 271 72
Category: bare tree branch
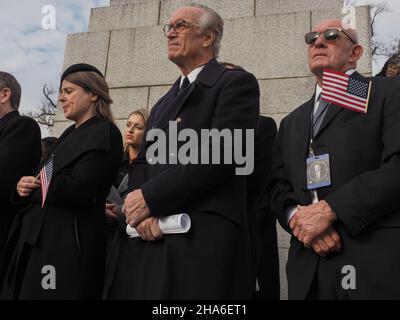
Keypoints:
pixel 380 48
pixel 47 92
pixel 47 110
pixel 377 10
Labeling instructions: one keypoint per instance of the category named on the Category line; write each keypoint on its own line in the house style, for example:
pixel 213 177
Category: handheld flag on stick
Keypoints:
pixel 45 178
pixel 345 91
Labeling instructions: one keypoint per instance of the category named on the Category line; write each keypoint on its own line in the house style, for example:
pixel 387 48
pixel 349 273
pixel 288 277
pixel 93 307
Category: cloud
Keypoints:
pixel 35 55
pixel 386 26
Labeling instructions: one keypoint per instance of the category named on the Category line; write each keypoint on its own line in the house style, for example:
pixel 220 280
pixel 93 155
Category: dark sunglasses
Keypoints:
pixel 329 34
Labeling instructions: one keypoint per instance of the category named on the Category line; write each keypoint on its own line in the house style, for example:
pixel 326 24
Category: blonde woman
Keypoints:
pixel 134 133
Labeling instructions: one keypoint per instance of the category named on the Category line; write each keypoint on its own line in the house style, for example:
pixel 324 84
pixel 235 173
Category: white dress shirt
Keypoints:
pixel 192 75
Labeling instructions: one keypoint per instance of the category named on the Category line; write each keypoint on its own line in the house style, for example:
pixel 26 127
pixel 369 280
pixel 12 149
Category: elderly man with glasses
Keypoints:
pixel 213 259
pixel 345 223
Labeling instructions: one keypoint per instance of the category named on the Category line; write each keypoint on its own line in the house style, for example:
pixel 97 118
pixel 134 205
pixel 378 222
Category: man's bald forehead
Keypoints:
pixel 335 23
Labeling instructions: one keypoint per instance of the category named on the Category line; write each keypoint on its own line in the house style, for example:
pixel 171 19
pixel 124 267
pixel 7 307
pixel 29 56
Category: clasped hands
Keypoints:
pixel 137 215
pixel 313 226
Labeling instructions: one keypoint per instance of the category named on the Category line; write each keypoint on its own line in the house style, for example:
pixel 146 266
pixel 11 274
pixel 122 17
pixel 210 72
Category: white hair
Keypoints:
pixel 211 20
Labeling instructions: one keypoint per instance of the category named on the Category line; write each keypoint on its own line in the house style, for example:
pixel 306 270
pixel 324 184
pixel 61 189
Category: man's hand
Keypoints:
pixel 135 208
pixel 328 242
pixel 26 185
pixel 149 229
pixel 312 221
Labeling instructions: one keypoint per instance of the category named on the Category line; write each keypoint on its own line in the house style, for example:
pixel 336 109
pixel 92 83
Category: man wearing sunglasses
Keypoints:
pixel 344 223
pixel 212 260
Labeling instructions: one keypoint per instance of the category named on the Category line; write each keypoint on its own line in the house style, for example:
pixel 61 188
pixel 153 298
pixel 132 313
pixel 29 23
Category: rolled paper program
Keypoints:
pixel 176 223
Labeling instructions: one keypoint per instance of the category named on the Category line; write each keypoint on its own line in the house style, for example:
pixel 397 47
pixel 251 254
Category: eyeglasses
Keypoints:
pixel 179 27
pixel 329 34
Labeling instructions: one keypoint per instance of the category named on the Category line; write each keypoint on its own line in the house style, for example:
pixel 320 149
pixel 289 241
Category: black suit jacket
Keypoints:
pixel 20 152
pixel 213 259
pixel 364 152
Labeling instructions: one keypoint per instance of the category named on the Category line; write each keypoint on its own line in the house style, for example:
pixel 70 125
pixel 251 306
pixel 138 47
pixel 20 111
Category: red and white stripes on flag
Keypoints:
pixel 45 178
pixel 345 91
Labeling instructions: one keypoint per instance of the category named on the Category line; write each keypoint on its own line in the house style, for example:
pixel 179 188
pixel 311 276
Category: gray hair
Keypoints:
pixel 395 59
pixel 8 81
pixel 211 20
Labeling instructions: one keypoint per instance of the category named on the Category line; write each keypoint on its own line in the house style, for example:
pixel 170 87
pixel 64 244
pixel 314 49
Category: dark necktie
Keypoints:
pixel 184 85
pixel 319 114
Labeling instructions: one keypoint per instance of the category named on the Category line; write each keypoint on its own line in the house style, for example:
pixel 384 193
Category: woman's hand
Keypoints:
pixel 111 211
pixel 26 185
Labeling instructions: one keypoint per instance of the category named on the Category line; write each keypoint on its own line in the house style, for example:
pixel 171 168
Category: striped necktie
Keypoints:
pixel 319 114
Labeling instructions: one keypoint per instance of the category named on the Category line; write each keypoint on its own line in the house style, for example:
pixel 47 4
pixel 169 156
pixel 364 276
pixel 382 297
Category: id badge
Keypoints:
pixel 318 172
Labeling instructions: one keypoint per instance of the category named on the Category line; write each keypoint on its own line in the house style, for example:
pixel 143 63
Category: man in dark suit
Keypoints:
pixel 345 234
pixel 20 149
pixel 261 220
pixel 212 260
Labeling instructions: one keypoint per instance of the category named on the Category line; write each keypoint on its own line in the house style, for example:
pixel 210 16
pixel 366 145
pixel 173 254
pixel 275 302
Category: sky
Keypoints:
pixel 35 55
pixel 387 25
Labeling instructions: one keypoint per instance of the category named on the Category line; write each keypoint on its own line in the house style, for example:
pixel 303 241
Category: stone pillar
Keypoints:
pixel 126 42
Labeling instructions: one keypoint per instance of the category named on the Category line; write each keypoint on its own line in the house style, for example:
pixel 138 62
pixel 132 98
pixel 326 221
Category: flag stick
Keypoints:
pixel 369 91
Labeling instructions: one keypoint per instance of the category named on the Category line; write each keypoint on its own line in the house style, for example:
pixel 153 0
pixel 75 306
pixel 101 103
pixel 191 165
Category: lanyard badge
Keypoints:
pixel 318 171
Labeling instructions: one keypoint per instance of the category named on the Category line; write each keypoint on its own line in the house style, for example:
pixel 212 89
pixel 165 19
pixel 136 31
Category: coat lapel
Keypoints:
pixel 162 106
pixel 304 124
pixel 333 111
pixel 75 142
pixel 211 72
pixel 176 108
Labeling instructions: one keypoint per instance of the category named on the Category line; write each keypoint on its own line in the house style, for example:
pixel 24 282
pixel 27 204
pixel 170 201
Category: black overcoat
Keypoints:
pixel 20 152
pixel 69 232
pixel 213 260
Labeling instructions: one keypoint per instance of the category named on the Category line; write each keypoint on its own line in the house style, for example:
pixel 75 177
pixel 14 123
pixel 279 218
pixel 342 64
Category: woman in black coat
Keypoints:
pixel 56 250
pixel 133 134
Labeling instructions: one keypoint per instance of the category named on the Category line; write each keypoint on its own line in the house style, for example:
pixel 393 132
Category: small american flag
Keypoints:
pixel 345 91
pixel 45 178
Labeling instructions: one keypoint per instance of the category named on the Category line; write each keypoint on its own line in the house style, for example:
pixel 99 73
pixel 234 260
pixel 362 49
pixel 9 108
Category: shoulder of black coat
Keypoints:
pixel 24 121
